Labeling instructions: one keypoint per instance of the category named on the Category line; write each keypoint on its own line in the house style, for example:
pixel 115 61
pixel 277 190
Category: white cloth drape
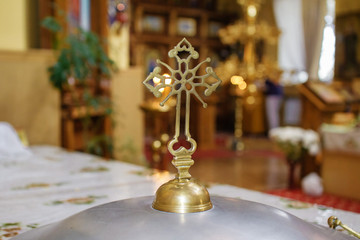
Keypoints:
pixel 10 144
pixel 291 51
pixel 301 23
pixel 288 15
pixel 313 12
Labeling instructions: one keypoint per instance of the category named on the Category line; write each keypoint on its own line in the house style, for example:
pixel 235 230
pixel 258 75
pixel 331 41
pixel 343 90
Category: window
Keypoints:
pixel 327 55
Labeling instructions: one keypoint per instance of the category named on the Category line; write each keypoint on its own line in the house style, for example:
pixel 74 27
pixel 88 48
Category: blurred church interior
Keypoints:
pixel 285 65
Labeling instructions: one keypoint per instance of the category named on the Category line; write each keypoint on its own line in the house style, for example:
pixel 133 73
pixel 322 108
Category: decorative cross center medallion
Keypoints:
pixel 183 79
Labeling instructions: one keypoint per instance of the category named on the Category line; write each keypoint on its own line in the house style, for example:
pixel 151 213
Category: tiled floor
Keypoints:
pixel 259 167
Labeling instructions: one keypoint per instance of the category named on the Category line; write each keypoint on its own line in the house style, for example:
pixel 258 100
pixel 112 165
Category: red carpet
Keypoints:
pixel 325 200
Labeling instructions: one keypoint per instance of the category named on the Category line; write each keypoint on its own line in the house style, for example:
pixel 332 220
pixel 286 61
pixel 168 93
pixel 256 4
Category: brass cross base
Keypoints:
pixel 182 196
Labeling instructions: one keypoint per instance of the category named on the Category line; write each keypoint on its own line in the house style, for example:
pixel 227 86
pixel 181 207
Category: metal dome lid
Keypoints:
pixel 229 219
pixel 182 207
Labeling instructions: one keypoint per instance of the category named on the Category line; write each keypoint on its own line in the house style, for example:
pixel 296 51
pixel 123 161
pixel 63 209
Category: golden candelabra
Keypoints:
pixel 182 194
pixel 243 74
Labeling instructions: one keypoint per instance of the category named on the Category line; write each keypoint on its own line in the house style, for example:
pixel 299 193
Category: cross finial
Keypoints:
pixel 183 79
pixel 182 194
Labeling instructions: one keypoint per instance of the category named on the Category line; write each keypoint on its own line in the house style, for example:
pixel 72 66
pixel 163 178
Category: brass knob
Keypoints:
pixel 334 222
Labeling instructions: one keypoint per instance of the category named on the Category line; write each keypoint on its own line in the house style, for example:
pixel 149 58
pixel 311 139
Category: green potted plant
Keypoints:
pixel 81 72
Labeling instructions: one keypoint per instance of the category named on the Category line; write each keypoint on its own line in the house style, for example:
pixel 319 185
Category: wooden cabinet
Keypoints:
pixel 159 25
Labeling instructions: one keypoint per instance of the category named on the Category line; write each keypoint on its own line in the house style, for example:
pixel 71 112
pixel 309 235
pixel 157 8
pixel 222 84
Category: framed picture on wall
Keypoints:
pixel 153 23
pixel 187 26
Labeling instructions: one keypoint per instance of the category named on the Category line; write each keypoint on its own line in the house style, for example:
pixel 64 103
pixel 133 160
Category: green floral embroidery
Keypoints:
pixel 9 230
pixel 289 203
pixel 34 225
pixel 147 172
pixel 94 169
pixel 37 185
pixel 79 201
pixel 323 208
pixel 4 225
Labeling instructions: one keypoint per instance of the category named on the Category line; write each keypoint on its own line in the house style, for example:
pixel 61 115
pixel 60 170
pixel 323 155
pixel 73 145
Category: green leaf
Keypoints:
pixel 51 24
pixel 57 202
pixel 108 111
pixel 34 225
pixel 10 224
pixel 94 103
pixel 81 57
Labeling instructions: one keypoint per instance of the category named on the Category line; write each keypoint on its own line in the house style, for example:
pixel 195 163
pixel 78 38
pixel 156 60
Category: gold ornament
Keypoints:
pixel 182 194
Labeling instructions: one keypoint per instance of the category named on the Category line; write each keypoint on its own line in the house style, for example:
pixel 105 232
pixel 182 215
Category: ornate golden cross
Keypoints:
pixel 184 79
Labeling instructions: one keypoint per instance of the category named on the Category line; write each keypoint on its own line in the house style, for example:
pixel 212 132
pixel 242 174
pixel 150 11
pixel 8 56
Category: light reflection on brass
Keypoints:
pixel 182 194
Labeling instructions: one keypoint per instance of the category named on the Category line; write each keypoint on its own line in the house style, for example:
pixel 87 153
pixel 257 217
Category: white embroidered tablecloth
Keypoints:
pixel 54 184
pixel 341 138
